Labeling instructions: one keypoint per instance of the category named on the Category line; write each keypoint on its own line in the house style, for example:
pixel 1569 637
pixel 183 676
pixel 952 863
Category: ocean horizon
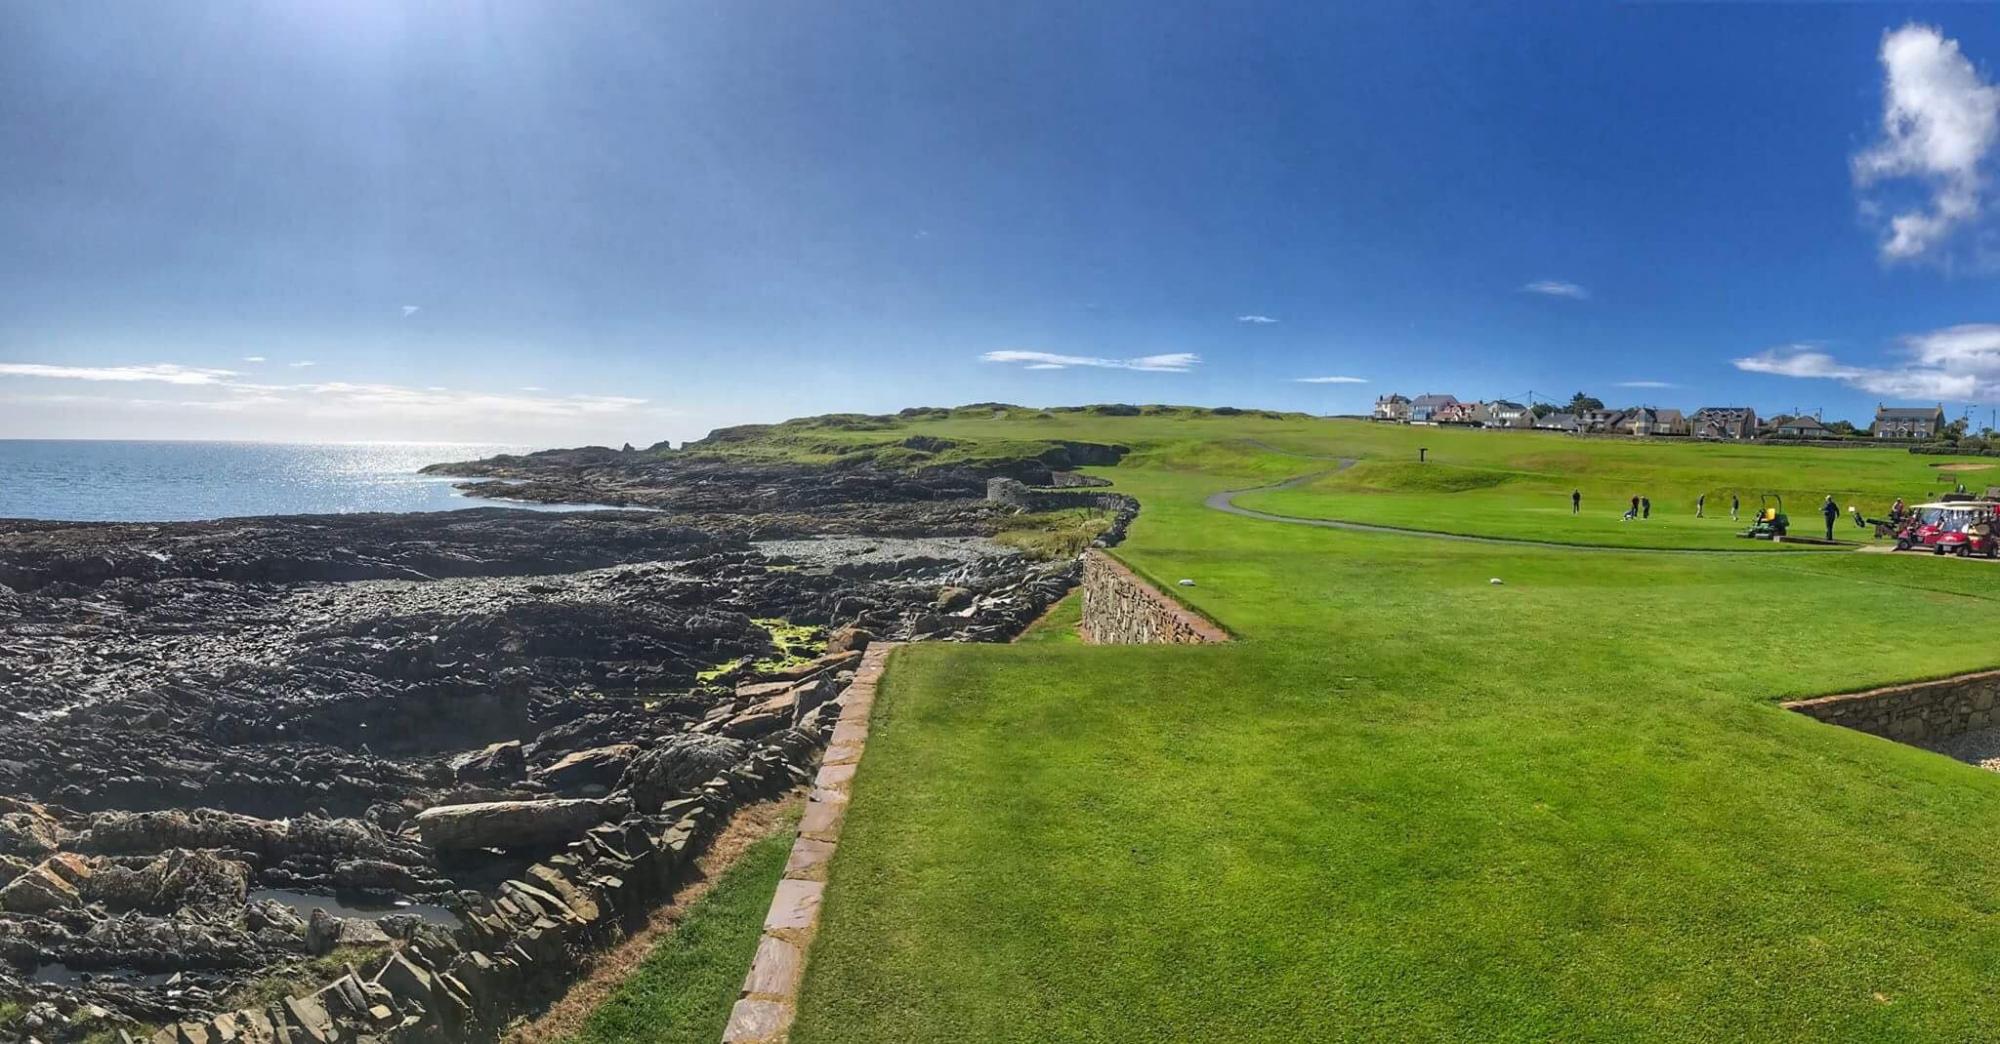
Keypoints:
pixel 163 480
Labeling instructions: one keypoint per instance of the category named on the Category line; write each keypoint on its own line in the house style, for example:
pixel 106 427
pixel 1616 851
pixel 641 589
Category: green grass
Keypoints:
pixel 685 988
pixel 1050 535
pixel 1059 625
pixel 1412 805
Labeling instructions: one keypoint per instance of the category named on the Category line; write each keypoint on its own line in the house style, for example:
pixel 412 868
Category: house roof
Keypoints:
pixel 1393 398
pixel 1503 404
pixel 1668 416
pixel 1712 410
pixel 1803 422
pixel 1432 400
pixel 1908 412
pixel 1557 420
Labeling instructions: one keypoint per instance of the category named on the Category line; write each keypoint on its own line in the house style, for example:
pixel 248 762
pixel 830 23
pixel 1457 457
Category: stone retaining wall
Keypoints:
pixel 1917 712
pixel 1121 609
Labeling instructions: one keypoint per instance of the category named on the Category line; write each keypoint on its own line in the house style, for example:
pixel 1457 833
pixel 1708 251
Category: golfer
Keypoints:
pixel 1645 507
pixel 1700 505
pixel 1575 501
pixel 1734 503
pixel 1830 511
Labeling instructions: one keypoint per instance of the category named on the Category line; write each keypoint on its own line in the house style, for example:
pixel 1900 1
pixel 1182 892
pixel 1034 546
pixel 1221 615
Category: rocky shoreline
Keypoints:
pixel 486 719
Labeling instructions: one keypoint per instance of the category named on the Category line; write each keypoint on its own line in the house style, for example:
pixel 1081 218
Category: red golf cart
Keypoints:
pixel 1958 527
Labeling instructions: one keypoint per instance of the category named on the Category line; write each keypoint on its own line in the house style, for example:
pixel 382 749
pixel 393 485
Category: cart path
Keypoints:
pixel 1225 501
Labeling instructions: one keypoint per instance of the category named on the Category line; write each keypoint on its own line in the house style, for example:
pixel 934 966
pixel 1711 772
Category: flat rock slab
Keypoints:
pixel 516 824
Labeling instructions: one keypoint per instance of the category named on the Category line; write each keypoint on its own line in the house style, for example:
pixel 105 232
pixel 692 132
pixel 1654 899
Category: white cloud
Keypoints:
pixel 1940 122
pixel 410 310
pixel 253 358
pixel 1331 380
pixel 303 363
pixel 1171 362
pixel 1957 362
pixel 168 373
pixel 322 400
pixel 1557 288
pixel 1647 384
pixel 1255 319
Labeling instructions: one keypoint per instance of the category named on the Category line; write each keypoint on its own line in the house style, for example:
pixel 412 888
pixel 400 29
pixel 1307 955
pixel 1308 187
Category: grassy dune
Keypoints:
pixel 1413 805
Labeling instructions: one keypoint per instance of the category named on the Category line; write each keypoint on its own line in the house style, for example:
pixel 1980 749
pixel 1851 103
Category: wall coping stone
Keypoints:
pixel 769 999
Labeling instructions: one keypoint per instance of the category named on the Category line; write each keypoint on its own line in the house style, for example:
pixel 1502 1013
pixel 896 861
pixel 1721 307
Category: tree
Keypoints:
pixel 1840 427
pixel 1580 402
pixel 1541 409
pixel 1954 431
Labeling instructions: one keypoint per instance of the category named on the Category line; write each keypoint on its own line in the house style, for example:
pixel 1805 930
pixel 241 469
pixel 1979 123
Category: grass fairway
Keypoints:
pixel 1412 805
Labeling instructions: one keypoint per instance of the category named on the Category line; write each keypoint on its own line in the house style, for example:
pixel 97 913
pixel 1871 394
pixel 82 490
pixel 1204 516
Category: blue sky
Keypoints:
pixel 603 221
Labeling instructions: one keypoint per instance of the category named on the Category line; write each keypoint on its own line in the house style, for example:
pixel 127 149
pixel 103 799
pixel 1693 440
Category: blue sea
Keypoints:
pixel 120 481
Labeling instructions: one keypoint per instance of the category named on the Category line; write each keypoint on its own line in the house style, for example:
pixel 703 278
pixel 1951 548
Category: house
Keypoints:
pixel 1600 420
pixel 1803 426
pixel 1648 420
pixel 1557 422
pixel 1456 413
pixel 1724 422
pixel 1423 407
pixel 1500 413
pixel 1394 408
pixel 1896 422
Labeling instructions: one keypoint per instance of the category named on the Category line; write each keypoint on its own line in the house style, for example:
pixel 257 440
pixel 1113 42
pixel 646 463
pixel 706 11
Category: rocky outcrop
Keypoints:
pixel 515 824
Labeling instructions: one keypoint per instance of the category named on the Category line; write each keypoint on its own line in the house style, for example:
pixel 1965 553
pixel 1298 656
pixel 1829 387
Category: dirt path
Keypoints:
pixel 564 1018
pixel 1225 501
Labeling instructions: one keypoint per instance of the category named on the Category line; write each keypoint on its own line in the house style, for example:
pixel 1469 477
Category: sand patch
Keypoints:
pixel 1963 467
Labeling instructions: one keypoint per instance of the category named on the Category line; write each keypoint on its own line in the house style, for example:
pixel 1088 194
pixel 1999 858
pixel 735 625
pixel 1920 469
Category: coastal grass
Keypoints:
pixel 1058 626
pixel 1411 804
pixel 683 991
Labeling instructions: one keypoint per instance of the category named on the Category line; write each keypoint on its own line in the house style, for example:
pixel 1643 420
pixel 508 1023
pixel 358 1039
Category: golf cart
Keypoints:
pixel 1771 522
pixel 1956 527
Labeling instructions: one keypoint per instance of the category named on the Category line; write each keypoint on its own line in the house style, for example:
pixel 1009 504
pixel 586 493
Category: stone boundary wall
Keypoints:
pixel 769 1000
pixel 1916 712
pixel 1121 609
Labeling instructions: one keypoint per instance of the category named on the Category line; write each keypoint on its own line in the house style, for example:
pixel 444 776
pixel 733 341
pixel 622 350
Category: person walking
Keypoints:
pixel 1645 507
pixel 1700 505
pixel 1831 511
pixel 1575 501
pixel 1634 513
pixel 1735 502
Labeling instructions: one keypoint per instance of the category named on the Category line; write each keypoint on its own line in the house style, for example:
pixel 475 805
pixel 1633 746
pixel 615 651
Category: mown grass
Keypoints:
pixel 686 986
pixel 1410 804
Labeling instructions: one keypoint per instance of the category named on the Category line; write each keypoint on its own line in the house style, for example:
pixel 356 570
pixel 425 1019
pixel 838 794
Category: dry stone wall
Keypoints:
pixel 1121 609
pixel 1917 712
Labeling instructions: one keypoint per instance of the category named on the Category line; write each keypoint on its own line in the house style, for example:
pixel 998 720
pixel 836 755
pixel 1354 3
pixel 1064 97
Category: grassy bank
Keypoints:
pixel 683 992
pixel 1413 805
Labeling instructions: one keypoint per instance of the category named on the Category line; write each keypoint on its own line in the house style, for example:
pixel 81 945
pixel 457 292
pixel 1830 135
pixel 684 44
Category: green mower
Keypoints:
pixel 1771 522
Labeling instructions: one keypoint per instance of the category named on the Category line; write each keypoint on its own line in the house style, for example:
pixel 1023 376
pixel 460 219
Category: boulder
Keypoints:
pixel 50 885
pixel 848 640
pixel 177 880
pixel 602 765
pixel 516 824
pixel 678 767
pixel 952 599
pixel 500 762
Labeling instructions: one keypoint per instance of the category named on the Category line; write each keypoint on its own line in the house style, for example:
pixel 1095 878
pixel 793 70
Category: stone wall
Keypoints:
pixel 1917 712
pixel 1121 609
